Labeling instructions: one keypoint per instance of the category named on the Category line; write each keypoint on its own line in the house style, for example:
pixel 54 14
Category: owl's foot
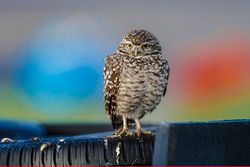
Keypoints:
pixel 138 132
pixel 125 132
pixel 117 131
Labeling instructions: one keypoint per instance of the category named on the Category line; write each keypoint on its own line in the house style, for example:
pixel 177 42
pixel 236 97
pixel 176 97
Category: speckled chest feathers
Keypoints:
pixel 135 77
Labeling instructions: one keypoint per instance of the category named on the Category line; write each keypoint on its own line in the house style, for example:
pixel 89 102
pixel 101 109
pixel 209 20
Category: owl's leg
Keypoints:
pixel 125 131
pixel 138 130
pixel 125 124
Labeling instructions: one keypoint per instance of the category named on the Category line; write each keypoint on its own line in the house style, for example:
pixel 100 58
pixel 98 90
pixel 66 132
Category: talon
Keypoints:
pixel 125 132
pixel 117 131
pixel 138 132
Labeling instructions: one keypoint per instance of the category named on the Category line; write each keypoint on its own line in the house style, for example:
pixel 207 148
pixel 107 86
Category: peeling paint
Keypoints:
pixel 118 152
pixel 7 140
pixel 45 146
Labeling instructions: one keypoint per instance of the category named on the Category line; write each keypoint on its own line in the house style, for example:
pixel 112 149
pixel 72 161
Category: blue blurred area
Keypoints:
pixel 61 67
pixel 20 129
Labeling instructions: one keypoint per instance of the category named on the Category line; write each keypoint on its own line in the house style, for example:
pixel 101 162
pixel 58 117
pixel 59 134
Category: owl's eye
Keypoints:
pixel 128 46
pixel 146 46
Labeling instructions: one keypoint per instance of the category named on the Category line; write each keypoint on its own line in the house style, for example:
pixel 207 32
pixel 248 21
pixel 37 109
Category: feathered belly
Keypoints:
pixel 154 90
pixel 140 92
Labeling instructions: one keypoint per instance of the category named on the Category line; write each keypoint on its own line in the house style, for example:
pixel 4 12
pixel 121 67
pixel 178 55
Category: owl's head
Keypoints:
pixel 139 43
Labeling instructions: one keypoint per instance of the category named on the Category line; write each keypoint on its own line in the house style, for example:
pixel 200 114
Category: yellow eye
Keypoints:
pixel 146 46
pixel 129 46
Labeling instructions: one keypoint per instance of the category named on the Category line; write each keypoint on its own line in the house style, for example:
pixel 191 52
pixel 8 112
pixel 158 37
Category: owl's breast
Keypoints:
pixel 141 87
pixel 131 90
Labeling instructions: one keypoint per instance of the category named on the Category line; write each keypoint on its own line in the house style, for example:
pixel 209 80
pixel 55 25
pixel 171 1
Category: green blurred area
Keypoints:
pixel 13 106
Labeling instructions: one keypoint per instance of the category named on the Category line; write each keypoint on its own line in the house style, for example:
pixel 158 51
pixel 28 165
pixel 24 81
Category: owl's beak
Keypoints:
pixel 136 52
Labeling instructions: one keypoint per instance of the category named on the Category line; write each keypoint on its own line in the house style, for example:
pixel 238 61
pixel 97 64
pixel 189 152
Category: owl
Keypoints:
pixel 135 79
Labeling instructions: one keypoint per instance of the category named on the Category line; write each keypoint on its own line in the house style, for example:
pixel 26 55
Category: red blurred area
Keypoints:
pixel 214 68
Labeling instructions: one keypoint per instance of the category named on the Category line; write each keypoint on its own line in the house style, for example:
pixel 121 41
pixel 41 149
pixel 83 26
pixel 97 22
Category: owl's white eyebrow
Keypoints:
pixel 127 42
pixel 146 43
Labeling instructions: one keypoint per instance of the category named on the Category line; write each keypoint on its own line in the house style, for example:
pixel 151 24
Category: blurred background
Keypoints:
pixel 51 57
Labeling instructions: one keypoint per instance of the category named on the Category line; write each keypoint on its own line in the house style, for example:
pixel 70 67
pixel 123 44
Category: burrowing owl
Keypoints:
pixel 135 79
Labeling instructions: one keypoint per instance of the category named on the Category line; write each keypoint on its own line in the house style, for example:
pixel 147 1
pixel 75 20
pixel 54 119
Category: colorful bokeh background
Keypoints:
pixel 51 57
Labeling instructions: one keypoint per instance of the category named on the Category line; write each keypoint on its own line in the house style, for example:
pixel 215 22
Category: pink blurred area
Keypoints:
pixel 216 67
pixel 212 75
